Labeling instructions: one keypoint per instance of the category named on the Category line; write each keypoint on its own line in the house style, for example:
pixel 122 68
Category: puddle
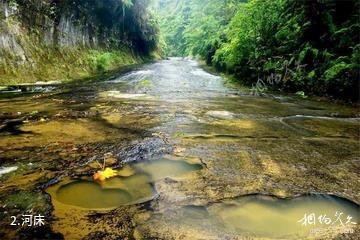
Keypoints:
pixel 133 185
pixel 265 216
pixel 88 194
pixel 166 168
pixel 117 191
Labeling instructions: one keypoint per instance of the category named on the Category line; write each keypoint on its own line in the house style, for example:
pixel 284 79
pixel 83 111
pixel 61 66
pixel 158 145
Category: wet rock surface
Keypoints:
pixel 278 146
pixel 149 148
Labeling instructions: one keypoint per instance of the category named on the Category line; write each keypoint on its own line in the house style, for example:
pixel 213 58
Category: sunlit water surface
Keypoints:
pixel 282 145
pixel 133 185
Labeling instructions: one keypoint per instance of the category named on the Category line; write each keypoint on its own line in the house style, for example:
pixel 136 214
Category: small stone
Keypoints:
pixel 94 164
pixel 110 161
pixel 220 114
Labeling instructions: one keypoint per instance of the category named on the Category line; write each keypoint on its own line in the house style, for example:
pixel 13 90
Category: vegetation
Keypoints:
pixel 100 61
pixel 308 46
pixel 60 40
pixel 295 46
pixel 66 64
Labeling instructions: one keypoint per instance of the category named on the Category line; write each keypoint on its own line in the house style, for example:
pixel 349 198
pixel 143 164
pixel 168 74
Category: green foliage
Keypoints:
pixel 68 64
pixel 301 94
pixel 46 47
pixel 194 28
pixel 335 70
pixel 127 3
pixel 99 62
pixel 312 45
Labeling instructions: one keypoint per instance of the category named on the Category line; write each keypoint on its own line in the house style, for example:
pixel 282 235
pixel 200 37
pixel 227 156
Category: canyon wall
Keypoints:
pixel 68 36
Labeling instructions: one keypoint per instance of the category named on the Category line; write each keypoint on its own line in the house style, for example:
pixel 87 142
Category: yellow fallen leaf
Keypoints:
pixel 107 173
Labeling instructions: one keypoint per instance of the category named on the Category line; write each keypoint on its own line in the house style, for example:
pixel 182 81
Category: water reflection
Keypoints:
pixel 133 185
pixel 265 216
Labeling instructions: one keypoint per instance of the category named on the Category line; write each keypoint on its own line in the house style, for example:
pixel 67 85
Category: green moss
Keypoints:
pixel 99 62
pixel 26 200
pixel 64 64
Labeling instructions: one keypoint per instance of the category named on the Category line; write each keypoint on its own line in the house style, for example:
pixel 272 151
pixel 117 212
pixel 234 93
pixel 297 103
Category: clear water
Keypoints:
pixel 277 144
pixel 88 194
pixel 260 216
pixel 271 217
pixel 133 185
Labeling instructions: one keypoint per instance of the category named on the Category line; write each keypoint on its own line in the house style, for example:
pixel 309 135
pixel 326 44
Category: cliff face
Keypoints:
pixel 53 33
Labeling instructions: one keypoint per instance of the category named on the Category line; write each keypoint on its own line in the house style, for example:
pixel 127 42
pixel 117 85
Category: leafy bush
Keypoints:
pixel 100 61
pixel 314 44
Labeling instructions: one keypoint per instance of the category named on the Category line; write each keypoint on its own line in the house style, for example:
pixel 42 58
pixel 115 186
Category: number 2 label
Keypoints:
pixel 13 222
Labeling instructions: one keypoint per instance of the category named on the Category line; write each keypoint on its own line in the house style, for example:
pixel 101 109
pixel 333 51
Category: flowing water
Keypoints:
pixel 197 158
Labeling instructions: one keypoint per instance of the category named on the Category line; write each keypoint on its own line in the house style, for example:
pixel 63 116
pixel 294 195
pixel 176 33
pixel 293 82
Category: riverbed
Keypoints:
pixel 198 158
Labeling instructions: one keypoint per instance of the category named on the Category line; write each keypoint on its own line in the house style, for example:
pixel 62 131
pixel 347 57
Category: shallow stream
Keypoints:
pixel 198 158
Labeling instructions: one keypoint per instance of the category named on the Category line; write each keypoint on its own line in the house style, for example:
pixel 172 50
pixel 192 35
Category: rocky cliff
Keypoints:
pixel 56 40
